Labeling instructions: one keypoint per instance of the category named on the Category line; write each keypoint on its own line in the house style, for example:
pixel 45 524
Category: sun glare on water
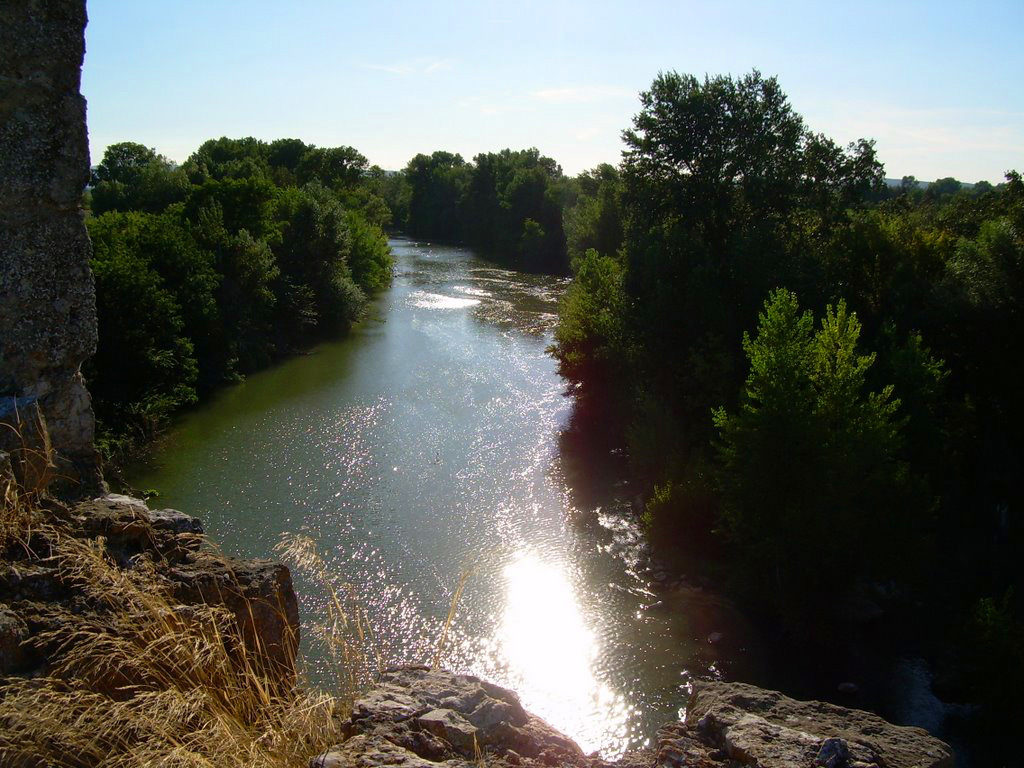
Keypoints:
pixel 426 300
pixel 549 652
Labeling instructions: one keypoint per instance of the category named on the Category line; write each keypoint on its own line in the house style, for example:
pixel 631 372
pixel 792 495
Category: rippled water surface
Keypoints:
pixel 427 443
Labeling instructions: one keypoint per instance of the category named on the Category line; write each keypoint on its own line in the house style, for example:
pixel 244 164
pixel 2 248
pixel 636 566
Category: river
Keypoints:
pixel 435 440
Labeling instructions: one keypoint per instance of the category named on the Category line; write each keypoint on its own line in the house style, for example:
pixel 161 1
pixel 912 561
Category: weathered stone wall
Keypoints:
pixel 47 295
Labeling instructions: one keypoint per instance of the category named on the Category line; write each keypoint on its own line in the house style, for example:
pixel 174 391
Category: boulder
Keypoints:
pixel 440 716
pixel 764 728
pixel 260 595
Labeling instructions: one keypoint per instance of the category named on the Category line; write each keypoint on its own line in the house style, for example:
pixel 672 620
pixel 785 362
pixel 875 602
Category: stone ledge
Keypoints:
pixel 422 718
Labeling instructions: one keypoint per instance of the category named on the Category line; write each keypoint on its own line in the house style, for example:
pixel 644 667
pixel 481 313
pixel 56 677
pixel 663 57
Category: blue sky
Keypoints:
pixel 939 85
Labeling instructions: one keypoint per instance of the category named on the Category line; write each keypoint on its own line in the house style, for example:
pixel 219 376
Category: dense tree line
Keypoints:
pixel 212 269
pixel 507 205
pixel 817 375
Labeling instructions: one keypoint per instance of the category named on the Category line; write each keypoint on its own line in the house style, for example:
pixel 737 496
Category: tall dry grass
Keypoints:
pixel 26 472
pixel 139 680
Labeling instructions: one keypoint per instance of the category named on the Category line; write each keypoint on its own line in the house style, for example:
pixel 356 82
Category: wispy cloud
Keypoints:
pixel 584 94
pixel 421 66
pixel 497 103
pixel 932 142
pixel 933 130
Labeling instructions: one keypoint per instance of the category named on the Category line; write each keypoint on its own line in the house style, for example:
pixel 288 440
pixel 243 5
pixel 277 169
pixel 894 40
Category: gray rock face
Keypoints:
pixel 420 718
pixel 766 729
pixel 34 598
pixel 47 296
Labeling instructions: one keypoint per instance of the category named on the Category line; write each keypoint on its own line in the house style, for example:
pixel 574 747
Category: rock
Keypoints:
pixel 833 753
pixel 260 595
pixel 452 727
pixel 13 632
pixel 371 751
pixel 47 297
pixel 418 717
pixel 174 521
pixel 462 714
pixel 767 729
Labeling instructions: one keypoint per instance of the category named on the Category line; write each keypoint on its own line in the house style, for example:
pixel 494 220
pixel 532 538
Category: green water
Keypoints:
pixel 432 440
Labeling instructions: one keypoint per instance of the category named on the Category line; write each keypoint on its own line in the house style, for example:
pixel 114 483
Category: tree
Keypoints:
pixel 314 252
pixel 187 272
pixel 725 195
pixel 226 158
pixel 337 168
pixel 591 342
pixel 371 260
pixel 595 219
pixel 942 189
pixel 436 184
pixel 144 367
pixel 132 177
pixel 809 468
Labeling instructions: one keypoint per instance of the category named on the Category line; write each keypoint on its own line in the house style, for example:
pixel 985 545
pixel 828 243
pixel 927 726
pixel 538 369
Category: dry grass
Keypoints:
pixel 25 476
pixel 345 632
pixel 143 681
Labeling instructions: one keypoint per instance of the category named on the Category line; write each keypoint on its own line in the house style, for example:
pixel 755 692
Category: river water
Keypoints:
pixel 436 439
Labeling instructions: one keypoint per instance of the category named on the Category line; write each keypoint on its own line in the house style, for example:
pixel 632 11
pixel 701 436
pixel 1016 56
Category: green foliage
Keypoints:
pixel 200 282
pixel 225 158
pixel 394 190
pixel 314 253
pixel 591 340
pixel 337 168
pixel 995 654
pixel 370 259
pixel 144 367
pixel 436 184
pixel 595 220
pixel 810 474
pixel 132 177
pixel 506 204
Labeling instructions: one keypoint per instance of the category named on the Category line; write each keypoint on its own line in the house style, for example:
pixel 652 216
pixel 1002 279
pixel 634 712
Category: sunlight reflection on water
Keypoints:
pixel 440 301
pixel 550 650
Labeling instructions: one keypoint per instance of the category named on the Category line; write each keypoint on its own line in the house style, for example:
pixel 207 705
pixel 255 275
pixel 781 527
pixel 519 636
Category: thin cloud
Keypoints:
pixel 422 66
pixel 586 94
pixel 933 142
pixel 934 130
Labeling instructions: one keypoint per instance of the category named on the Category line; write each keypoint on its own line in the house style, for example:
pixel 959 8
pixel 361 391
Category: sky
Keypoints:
pixel 939 85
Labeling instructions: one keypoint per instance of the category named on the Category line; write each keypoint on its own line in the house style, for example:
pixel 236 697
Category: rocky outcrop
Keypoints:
pixel 752 726
pixel 47 297
pixel 36 593
pixel 419 718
